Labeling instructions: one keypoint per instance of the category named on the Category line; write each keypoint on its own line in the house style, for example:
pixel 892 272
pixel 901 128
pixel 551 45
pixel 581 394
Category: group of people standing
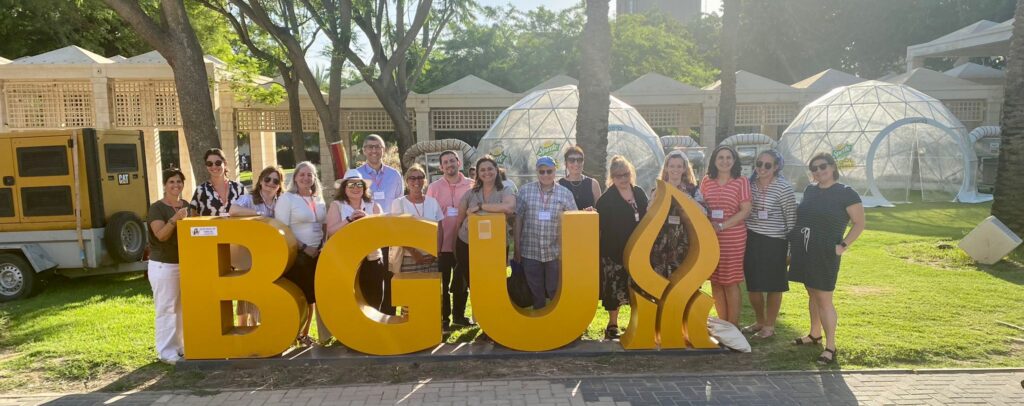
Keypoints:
pixel 765 237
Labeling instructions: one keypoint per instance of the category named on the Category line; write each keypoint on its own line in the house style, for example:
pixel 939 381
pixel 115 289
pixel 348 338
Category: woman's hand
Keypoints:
pixel 180 214
pixel 312 251
pixel 358 214
pixel 840 249
pixel 472 209
pixel 591 208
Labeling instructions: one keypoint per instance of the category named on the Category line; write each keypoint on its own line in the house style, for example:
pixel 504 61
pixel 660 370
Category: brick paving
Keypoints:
pixel 798 388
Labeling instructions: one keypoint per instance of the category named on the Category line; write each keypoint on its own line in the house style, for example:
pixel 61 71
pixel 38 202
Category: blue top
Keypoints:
pixel 385 186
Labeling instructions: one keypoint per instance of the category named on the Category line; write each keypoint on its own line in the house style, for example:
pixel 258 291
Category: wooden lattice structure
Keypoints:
pixel 274 120
pixel 50 104
pixel 145 103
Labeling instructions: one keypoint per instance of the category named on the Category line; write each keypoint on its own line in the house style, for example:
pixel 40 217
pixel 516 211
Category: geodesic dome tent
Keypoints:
pixel 544 124
pixel 888 141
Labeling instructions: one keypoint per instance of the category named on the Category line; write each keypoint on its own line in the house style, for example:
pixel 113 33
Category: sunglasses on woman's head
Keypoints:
pixel 270 179
pixel 212 163
pixel 765 165
pixel 819 167
pixel 355 185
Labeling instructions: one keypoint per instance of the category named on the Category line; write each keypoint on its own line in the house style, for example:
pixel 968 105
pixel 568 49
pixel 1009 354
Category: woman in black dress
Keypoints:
pixel 621 207
pixel 585 189
pixel 817 244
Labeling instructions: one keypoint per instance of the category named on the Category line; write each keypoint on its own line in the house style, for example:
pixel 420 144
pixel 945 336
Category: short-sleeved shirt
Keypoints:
pixel 474 197
pixel 823 213
pixel 367 207
pixel 385 185
pixel 773 211
pixel 305 215
pixel 428 210
pixel 265 209
pixel 448 196
pixel 723 201
pixel 539 213
pixel 162 251
pixel 207 202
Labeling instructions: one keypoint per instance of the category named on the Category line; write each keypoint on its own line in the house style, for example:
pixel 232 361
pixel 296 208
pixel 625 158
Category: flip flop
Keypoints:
pixel 753 328
pixel 760 335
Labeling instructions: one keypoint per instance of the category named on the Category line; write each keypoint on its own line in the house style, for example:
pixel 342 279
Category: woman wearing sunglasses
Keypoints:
pixel 215 196
pixel 585 189
pixel 772 217
pixel 261 202
pixel 302 209
pixel 423 207
pixel 817 245
pixel 354 201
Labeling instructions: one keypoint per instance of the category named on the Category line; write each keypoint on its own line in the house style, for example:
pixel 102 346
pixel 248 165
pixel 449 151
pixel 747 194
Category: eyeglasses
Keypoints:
pixel 415 177
pixel 355 185
pixel 210 164
pixel 620 175
pixel 765 165
pixel 273 180
pixel 820 167
pixel 574 160
pixel 545 171
pixel 372 147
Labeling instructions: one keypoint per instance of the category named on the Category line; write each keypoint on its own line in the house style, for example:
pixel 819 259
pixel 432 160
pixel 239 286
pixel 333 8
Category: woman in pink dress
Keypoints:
pixel 727 195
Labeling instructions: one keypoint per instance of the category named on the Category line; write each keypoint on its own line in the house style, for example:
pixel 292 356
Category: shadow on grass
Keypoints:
pixel 944 220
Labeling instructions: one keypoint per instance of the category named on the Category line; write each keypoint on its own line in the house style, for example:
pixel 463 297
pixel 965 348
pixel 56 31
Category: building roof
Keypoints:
pixel 154 58
pixel 118 58
pixel 977 73
pixel 983 38
pixel 471 85
pixel 746 81
pixel 553 82
pixel 982 25
pixel 4 60
pixel 925 79
pixel 360 88
pixel 653 84
pixel 827 79
pixel 69 55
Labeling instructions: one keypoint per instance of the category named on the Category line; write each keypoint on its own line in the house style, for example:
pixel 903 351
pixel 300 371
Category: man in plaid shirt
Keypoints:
pixel 538 230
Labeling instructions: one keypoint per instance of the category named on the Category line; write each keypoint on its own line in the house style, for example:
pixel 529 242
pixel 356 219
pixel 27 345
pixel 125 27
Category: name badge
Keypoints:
pixel 762 214
pixel 718 214
pixel 544 216
pixel 452 212
pixel 674 220
pixel 378 195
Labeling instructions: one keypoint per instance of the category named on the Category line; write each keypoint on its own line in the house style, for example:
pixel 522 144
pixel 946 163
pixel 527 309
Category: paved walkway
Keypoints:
pixel 899 388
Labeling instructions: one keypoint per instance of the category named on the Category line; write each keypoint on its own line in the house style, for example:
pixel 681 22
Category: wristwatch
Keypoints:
pixel 302 246
pixel 720 226
pixel 843 244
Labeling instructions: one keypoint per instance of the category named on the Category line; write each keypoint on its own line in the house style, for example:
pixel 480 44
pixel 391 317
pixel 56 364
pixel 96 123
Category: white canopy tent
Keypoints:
pixel 888 140
pixel 544 124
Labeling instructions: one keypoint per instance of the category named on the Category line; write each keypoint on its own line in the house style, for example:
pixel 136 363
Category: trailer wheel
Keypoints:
pixel 17 278
pixel 125 237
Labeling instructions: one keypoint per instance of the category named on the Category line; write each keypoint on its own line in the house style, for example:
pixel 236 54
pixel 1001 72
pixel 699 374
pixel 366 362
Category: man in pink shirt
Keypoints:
pixel 448 192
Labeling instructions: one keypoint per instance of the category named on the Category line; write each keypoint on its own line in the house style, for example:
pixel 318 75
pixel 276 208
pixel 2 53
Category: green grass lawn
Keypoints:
pixel 903 302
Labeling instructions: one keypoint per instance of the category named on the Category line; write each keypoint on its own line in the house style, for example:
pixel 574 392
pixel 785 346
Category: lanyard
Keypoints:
pixel 311 204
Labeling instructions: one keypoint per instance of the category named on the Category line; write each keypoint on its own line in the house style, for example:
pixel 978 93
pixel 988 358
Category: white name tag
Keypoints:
pixel 378 195
pixel 203 232
pixel 674 220
pixel 544 216
pixel 452 212
pixel 762 214
pixel 717 214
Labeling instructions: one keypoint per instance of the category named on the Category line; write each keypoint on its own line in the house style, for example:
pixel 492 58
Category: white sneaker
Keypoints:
pixel 170 361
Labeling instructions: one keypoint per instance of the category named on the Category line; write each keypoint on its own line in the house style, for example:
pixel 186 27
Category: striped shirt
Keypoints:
pixel 773 211
pixel 540 213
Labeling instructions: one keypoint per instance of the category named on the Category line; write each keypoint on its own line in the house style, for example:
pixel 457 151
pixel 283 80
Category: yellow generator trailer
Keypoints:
pixel 71 202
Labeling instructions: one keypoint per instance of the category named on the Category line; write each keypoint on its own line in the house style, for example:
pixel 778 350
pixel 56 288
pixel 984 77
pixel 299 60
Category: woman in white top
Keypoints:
pixel 352 202
pixel 423 207
pixel 261 202
pixel 302 209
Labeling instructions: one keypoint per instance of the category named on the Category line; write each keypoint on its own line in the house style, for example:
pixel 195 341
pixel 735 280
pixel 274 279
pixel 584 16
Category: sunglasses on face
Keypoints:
pixel 620 175
pixel 819 167
pixel 273 180
pixel 415 177
pixel 574 160
pixel 545 171
pixel 355 185
pixel 210 164
pixel 765 165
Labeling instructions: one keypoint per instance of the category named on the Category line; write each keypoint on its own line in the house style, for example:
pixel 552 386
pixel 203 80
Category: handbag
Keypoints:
pixel 518 289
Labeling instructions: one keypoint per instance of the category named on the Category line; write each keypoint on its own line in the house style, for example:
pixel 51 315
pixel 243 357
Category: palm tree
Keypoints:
pixel 727 89
pixel 1009 182
pixel 595 88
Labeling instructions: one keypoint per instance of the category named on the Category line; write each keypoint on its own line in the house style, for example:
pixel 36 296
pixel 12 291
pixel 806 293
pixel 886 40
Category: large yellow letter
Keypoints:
pixel 360 326
pixel 561 321
pixel 208 286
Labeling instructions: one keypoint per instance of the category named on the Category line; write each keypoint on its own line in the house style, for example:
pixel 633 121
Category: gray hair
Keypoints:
pixel 293 186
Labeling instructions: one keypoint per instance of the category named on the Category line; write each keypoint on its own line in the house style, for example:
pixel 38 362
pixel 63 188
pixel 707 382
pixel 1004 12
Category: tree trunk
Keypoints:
pixel 1009 191
pixel 291 87
pixel 393 102
pixel 727 89
pixel 594 89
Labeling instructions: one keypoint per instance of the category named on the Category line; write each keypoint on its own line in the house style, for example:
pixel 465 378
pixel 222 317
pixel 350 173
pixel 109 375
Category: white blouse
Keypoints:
pixel 304 215
pixel 429 210
pixel 347 210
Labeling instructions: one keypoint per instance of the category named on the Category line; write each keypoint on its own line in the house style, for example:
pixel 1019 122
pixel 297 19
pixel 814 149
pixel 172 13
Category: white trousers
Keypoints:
pixel 165 280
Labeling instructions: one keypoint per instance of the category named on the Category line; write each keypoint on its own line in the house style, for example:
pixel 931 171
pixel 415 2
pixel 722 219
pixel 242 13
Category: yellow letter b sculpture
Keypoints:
pixel 679 314
pixel 566 317
pixel 208 286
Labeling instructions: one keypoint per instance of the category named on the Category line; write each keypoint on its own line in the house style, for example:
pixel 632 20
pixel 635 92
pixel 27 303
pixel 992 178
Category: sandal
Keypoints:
pixel 822 360
pixel 611 333
pixel 800 340
pixel 764 333
pixel 305 341
pixel 753 328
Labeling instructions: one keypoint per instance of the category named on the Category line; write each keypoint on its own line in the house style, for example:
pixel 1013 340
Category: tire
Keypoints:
pixel 17 278
pixel 125 237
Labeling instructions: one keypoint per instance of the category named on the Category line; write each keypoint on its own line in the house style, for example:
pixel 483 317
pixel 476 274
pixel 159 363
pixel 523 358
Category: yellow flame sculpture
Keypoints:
pixel 679 315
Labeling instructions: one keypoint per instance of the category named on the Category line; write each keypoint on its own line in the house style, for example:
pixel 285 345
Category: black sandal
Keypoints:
pixel 611 333
pixel 800 340
pixel 826 361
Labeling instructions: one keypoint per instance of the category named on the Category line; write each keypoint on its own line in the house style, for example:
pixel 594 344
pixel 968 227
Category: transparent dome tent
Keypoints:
pixel 544 124
pixel 890 141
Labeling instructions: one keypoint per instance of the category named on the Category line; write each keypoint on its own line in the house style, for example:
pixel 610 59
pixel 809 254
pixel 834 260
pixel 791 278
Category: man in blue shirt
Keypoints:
pixel 386 183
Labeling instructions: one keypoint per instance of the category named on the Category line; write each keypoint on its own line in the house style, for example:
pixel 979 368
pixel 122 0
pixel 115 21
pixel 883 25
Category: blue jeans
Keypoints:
pixel 542 278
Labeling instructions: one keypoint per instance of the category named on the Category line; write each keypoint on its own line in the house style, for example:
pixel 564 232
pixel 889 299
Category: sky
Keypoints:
pixel 315 59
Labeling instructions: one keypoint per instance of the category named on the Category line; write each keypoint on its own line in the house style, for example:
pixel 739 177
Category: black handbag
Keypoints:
pixel 518 289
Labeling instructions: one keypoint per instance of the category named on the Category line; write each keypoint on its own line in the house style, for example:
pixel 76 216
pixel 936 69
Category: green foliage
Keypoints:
pixel 656 43
pixel 31 27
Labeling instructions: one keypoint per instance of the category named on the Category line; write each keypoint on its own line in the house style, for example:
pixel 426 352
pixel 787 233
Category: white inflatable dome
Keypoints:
pixel 889 140
pixel 544 124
